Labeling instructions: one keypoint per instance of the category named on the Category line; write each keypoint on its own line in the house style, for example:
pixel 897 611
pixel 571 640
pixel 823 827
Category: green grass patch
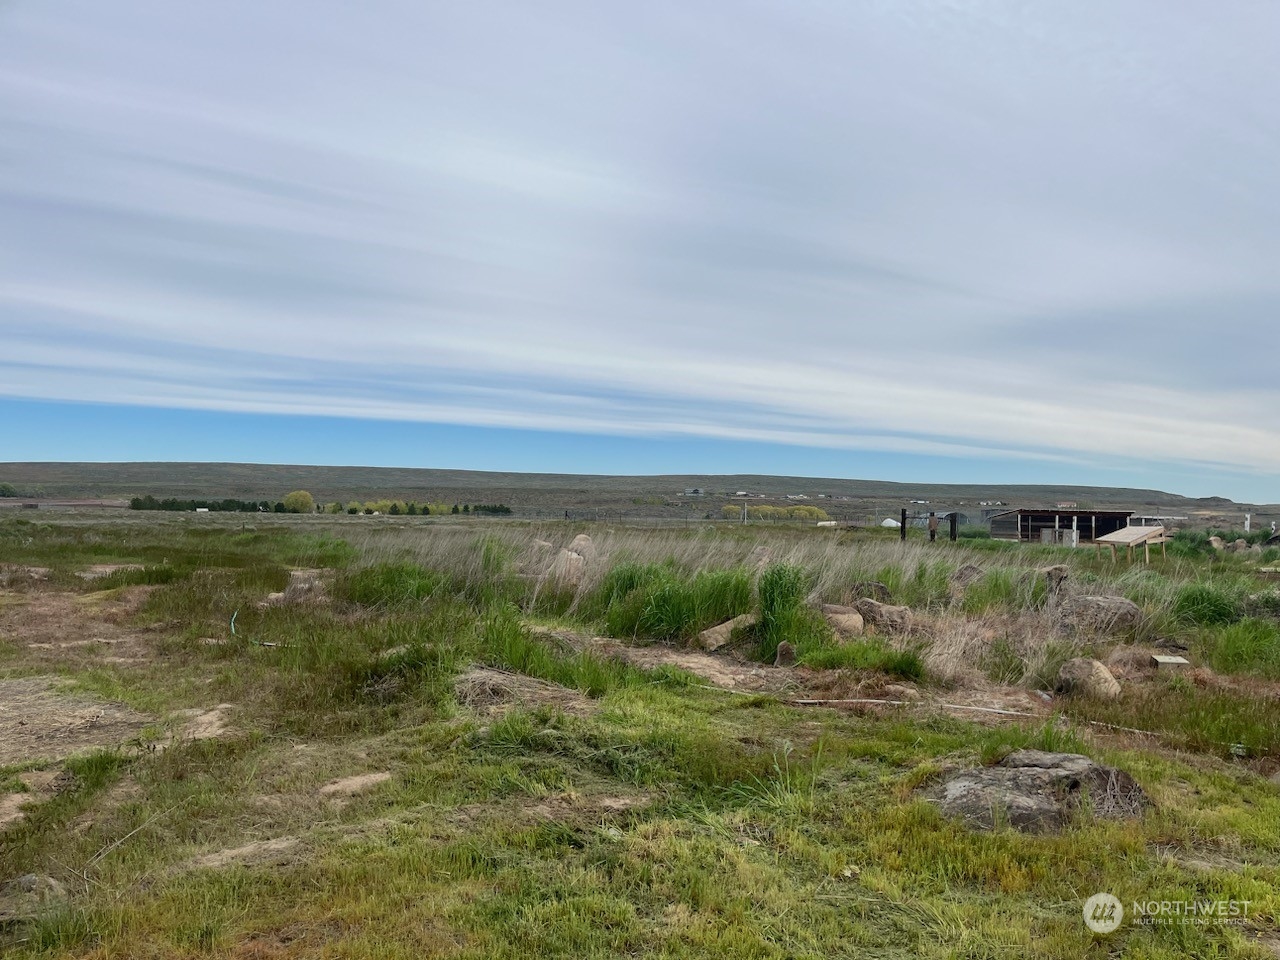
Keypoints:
pixel 867 655
pixel 1248 646
pixel 1205 604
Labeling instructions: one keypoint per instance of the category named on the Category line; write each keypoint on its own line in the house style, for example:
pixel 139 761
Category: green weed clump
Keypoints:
pixel 1204 604
pixel 505 642
pixel 659 602
pixel 1249 646
pixel 392 585
pixel 867 655
pixel 783 615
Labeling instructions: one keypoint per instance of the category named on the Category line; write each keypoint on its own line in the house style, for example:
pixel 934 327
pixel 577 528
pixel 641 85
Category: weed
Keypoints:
pixel 1205 604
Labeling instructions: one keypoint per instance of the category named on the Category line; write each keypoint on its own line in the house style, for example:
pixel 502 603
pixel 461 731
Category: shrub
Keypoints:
pixel 783 615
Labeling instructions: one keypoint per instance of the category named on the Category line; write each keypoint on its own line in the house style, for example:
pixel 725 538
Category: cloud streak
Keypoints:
pixel 913 227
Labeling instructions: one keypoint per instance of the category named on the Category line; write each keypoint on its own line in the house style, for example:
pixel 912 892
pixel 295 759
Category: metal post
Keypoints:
pixel 902 530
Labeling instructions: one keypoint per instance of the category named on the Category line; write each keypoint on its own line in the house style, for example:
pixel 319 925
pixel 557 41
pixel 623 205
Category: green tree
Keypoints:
pixel 299 501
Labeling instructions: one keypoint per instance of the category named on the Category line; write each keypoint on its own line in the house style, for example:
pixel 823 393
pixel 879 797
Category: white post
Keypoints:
pixel 1248 519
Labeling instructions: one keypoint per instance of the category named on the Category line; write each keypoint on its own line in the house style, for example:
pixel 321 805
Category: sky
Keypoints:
pixel 960 242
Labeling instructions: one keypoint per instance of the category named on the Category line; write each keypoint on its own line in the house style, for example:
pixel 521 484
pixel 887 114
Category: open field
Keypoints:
pixel 316 736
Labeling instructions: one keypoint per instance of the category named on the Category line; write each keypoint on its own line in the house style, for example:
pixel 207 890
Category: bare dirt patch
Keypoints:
pixel 99 570
pixel 37 720
pixel 277 852
pixel 56 626
pixel 206 724
pixel 717 670
pixel 349 787
pixel 40 786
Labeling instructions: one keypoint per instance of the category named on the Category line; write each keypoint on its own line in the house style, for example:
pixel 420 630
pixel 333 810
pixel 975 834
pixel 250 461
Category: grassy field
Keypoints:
pixel 428 751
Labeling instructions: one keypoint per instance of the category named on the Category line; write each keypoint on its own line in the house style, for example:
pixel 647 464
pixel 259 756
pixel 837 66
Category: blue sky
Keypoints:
pixel 909 241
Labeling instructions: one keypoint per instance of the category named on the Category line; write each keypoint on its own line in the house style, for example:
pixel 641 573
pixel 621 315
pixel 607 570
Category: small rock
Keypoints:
pixel 884 616
pixel 1101 615
pixel 845 621
pixel 1082 677
pixel 24 897
pixel 872 589
pixel 786 656
pixel 1054 577
pixel 713 638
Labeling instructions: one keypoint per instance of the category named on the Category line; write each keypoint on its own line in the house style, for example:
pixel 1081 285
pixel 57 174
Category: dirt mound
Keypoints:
pixel 39 721
pixel 491 691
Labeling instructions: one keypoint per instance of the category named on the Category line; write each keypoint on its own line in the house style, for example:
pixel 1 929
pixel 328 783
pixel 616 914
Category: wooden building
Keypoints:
pixel 1054 525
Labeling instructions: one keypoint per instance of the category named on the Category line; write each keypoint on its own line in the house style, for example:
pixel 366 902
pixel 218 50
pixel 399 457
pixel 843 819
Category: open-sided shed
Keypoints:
pixel 1053 525
pixel 1131 537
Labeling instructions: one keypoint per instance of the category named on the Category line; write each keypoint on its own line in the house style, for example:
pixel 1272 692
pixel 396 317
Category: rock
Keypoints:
pixel 1035 792
pixel 1217 543
pixel 845 621
pixel 23 898
pixel 569 568
pixel 786 655
pixel 583 547
pixel 1054 577
pixel 713 638
pixel 884 616
pixel 872 589
pixel 1101 615
pixel 1083 677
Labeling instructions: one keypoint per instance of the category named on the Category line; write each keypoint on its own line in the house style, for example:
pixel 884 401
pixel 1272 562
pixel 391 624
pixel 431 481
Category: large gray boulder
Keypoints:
pixel 1054 577
pixel 1082 677
pixel 884 616
pixel 1038 792
pixel 1101 615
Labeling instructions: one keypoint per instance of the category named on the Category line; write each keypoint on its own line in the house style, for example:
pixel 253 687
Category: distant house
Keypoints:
pixel 693 491
pixel 1053 525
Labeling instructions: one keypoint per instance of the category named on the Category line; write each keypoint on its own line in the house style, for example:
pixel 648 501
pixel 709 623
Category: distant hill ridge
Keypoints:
pixel 254 481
